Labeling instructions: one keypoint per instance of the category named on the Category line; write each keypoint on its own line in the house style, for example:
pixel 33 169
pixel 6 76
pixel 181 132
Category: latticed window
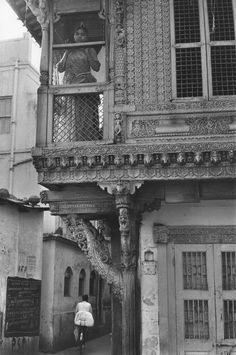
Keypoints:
pixel 78 117
pixel 204 53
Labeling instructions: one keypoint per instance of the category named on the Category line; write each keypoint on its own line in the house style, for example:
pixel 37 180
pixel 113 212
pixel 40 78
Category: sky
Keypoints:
pixel 11 27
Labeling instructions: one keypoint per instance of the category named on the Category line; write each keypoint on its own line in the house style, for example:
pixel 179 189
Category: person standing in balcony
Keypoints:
pixel 77 64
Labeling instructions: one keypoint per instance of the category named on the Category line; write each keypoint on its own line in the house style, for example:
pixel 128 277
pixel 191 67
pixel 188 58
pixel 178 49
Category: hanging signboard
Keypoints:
pixel 22 307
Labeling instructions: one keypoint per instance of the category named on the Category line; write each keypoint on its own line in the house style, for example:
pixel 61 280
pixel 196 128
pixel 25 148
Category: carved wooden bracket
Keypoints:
pixel 40 10
pixel 96 248
pixel 119 187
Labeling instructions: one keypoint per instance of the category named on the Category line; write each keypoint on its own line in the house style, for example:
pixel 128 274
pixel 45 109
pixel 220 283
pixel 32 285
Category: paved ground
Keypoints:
pixel 99 346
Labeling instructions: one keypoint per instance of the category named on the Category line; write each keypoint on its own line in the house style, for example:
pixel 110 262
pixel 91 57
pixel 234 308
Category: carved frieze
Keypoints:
pixel 148 55
pixel 194 234
pixel 120 57
pixel 144 128
pixel 208 125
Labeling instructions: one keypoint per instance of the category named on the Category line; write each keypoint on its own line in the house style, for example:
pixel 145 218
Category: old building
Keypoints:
pixel 34 232
pixel 21 261
pixel 136 131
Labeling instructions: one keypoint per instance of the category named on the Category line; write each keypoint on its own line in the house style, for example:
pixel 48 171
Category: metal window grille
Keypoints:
pixel 228 270
pixel 223 63
pixel 196 319
pixel 187 26
pixel 188 72
pixel 78 118
pixel 194 271
pixel 221 20
pixel 229 319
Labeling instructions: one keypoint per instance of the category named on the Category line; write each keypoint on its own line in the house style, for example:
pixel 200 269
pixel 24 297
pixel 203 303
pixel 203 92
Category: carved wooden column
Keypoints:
pixel 129 239
pixel 128 266
pixel 41 10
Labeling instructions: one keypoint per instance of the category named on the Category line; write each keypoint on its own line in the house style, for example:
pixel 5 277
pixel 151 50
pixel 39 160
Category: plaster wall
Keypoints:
pixel 57 311
pixel 208 213
pixel 20 255
pixel 25 126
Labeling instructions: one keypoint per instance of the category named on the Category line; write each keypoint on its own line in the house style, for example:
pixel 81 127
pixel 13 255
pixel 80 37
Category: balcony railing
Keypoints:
pixel 78 117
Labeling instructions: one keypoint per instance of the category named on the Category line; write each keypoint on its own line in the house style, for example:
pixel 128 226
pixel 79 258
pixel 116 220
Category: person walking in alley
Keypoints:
pixel 83 320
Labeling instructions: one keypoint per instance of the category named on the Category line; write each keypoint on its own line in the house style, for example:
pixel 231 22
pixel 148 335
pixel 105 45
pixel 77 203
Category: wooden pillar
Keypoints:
pixel 42 108
pixel 129 253
pixel 41 11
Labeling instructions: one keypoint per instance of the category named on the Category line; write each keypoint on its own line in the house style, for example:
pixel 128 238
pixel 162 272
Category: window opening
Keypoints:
pixel 67 282
pixel 92 284
pixel 79 49
pixel 5 115
pixel 82 277
pixel 204 48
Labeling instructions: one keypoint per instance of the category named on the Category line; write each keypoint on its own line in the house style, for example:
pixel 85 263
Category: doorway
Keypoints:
pixel 201 303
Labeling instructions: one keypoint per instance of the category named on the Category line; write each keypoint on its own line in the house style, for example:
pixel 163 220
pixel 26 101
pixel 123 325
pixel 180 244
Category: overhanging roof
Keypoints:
pixel 27 18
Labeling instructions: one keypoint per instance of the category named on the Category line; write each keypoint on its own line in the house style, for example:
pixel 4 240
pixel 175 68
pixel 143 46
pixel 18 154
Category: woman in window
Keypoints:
pixel 78 62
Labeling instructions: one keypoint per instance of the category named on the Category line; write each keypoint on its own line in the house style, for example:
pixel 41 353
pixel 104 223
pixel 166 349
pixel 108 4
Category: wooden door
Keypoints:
pixel 195 306
pixel 205 277
pixel 225 298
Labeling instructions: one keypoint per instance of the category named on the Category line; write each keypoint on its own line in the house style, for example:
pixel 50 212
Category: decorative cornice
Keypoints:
pixel 194 234
pixel 108 165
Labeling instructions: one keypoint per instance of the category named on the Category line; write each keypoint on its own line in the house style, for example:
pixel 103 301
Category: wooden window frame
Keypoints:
pixel 205 44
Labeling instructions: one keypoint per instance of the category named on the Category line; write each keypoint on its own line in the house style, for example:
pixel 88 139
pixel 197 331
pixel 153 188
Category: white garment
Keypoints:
pixel 83 306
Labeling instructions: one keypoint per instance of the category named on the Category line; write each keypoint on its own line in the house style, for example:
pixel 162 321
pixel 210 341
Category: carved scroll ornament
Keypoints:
pixel 96 248
pixel 40 9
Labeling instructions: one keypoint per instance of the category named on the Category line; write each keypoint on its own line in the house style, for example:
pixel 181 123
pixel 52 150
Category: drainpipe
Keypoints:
pixel 13 126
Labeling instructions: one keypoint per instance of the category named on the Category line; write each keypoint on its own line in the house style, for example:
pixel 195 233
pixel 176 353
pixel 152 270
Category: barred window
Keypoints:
pixel 204 54
pixel 196 319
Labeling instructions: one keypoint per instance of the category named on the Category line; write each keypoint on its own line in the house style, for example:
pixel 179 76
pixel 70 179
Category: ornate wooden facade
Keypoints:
pixel 152 141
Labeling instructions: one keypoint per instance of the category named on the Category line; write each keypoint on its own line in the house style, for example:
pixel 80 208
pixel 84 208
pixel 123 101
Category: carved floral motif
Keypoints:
pixel 208 125
pixel 144 128
pixel 40 9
